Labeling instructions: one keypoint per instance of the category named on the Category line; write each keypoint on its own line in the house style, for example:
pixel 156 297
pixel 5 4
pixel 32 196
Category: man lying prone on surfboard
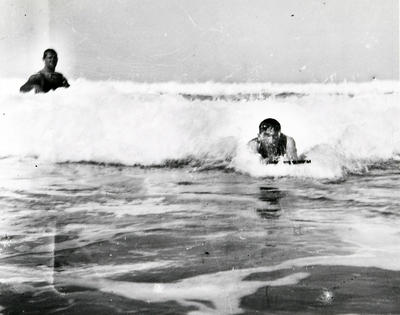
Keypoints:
pixel 272 144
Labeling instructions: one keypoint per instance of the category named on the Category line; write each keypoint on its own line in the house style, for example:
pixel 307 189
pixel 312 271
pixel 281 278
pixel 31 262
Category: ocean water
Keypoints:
pixel 125 198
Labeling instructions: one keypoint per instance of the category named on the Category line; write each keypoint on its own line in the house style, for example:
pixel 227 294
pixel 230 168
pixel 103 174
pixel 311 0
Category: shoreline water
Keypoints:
pixel 174 240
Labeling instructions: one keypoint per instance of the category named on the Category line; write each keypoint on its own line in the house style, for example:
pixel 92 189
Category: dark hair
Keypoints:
pixel 269 123
pixel 49 50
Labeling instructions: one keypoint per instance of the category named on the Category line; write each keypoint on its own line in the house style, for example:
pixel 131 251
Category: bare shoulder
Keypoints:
pixel 290 141
pixel 59 74
pixel 35 78
pixel 253 144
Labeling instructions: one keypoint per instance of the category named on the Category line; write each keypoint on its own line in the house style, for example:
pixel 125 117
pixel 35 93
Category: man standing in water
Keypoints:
pixel 46 79
pixel 271 144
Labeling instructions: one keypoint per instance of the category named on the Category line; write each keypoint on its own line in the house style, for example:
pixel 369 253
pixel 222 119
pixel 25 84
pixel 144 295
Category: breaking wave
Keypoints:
pixel 341 127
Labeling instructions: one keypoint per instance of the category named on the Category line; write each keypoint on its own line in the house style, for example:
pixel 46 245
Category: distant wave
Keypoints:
pixel 341 127
pixel 239 97
pixel 218 89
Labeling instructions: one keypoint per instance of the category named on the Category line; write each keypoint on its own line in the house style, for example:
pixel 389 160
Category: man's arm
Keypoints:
pixel 61 80
pixel 291 151
pixel 65 82
pixel 34 82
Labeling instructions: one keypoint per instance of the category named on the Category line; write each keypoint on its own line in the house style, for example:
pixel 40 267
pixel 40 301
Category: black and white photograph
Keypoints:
pixel 199 157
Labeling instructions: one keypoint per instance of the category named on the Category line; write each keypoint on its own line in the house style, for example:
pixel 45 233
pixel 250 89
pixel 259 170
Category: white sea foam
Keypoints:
pixel 223 289
pixel 226 288
pixel 128 123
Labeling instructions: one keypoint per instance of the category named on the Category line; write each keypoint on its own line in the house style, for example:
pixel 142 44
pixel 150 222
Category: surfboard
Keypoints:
pixel 291 162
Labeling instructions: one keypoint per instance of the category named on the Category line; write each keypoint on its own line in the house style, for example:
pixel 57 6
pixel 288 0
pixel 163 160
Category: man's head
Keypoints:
pixel 269 130
pixel 50 58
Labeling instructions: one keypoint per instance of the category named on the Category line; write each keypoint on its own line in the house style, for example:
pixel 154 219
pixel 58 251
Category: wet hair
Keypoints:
pixel 269 123
pixel 48 51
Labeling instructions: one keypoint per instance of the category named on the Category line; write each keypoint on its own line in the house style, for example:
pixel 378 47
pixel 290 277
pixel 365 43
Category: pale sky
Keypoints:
pixel 204 40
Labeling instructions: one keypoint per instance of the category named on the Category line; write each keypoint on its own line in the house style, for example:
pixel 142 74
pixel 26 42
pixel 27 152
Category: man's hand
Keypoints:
pixel 65 83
